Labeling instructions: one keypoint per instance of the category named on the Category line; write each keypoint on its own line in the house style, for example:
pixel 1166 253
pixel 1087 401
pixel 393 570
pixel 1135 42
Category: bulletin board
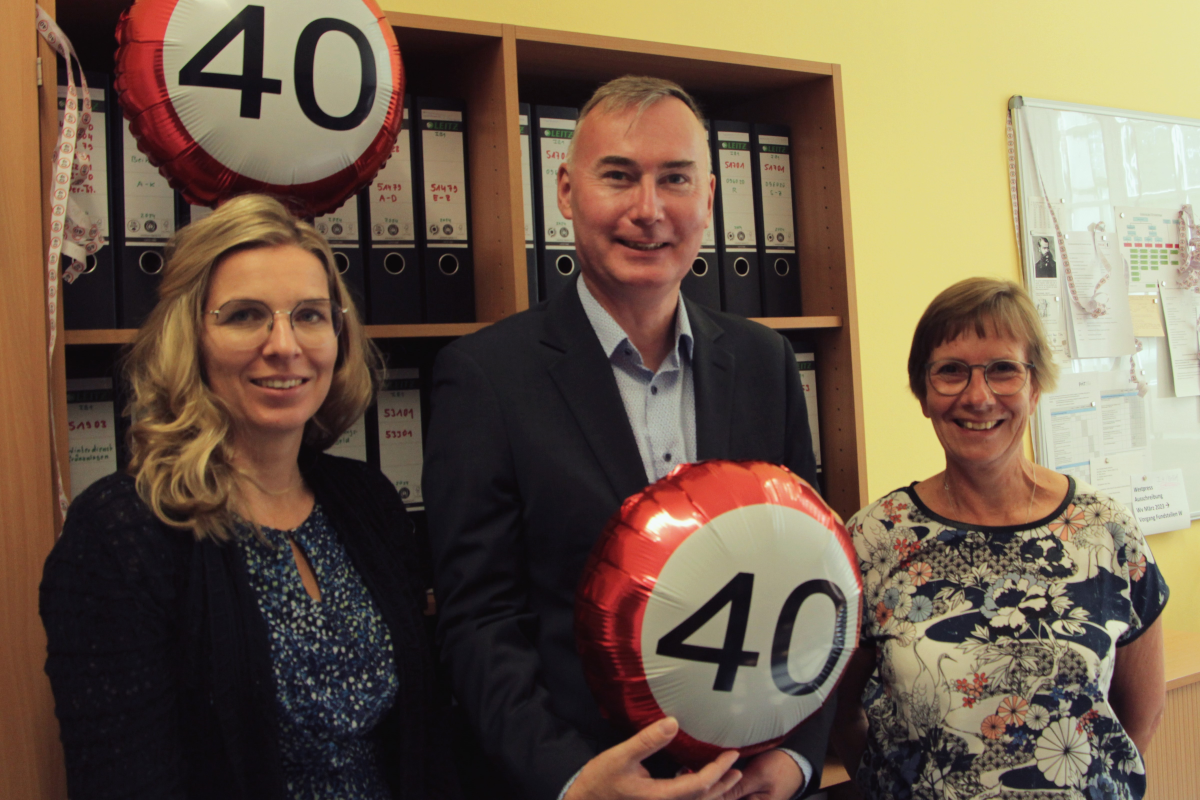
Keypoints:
pixel 1097 195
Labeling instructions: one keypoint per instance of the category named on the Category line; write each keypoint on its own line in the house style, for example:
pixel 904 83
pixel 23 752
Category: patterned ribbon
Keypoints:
pixel 1189 271
pixel 63 162
pixel 1012 177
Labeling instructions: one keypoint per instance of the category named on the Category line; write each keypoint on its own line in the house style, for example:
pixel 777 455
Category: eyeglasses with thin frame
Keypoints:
pixel 1004 376
pixel 248 324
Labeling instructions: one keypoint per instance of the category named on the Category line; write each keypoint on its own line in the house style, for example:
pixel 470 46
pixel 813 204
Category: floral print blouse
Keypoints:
pixel 335 675
pixel 996 647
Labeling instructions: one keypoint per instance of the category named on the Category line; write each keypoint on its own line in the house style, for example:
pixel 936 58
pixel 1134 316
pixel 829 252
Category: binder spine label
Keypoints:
pixel 91 431
pixel 554 138
pixel 526 180
pixel 149 200
pixel 392 195
pixel 807 364
pixel 340 226
pixel 775 181
pixel 352 443
pixel 89 183
pixel 445 176
pixel 737 191
pixel 400 447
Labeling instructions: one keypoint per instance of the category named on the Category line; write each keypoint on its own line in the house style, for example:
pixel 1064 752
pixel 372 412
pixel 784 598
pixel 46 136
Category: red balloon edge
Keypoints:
pixel 613 687
pixel 188 168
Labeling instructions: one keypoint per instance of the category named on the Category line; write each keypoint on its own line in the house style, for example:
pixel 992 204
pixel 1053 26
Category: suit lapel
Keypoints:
pixel 713 369
pixel 580 369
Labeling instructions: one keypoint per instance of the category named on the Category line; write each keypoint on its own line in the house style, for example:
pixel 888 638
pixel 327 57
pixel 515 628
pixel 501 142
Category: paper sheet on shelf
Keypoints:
pixel 1179 309
pixel 1150 245
pixel 1112 333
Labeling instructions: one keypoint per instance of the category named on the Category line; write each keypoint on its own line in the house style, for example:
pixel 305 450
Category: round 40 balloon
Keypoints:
pixel 301 99
pixel 726 595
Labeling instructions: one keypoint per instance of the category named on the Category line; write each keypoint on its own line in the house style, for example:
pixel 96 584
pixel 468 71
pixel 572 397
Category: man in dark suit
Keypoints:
pixel 542 424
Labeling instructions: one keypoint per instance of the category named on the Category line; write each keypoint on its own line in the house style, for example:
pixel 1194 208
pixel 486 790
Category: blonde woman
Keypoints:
pixel 239 616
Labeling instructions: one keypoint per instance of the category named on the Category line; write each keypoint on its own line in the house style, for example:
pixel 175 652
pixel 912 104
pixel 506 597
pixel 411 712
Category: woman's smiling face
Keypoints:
pixel 979 428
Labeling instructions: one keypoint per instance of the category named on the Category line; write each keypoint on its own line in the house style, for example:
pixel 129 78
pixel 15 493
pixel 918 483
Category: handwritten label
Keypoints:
pixel 737 191
pixel 554 138
pixel 91 431
pixel 1160 501
pixel 400 446
pixel 352 443
pixel 149 200
pixel 444 157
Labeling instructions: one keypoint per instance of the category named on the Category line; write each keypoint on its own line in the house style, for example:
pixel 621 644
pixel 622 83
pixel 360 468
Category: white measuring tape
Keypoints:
pixel 65 158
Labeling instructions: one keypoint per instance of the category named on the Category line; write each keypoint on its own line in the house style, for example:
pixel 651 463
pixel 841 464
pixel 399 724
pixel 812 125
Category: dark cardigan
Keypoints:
pixel 159 657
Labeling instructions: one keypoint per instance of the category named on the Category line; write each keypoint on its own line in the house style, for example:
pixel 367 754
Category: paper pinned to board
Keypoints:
pixel 1150 244
pixel 1179 310
pixel 1113 474
pixel 1160 501
pixel 1146 316
pixel 1096 271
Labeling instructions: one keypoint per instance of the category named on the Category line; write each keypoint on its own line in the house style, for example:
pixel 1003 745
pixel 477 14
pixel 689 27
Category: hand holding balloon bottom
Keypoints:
pixel 618 774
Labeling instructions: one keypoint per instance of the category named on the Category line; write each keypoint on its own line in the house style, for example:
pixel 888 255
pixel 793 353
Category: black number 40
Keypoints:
pixel 250 22
pixel 736 594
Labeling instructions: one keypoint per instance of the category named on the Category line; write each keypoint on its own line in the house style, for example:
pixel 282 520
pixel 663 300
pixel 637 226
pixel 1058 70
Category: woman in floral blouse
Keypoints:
pixel 1011 645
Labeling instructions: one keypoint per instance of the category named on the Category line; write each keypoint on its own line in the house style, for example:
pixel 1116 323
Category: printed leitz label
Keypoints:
pixel 392 195
pixel 526 181
pixel 400 449
pixel 91 431
pixel 775 180
pixel 737 191
pixel 443 157
pixel 340 226
pixel 149 200
pixel 554 139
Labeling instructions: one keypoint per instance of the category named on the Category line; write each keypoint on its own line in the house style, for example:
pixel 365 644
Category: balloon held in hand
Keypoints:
pixel 726 595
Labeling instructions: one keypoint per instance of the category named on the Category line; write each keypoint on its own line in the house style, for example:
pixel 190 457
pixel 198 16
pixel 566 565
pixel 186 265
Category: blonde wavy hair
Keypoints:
pixel 179 436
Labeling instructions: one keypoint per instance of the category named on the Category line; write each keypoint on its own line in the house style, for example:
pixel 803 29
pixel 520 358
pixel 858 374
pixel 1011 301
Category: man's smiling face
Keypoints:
pixel 640 193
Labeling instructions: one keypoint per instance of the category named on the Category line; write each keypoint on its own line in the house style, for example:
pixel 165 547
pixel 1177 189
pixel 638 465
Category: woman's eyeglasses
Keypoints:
pixel 248 323
pixel 1003 376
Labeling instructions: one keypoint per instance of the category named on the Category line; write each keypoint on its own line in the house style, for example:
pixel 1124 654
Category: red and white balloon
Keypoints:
pixel 726 595
pixel 301 99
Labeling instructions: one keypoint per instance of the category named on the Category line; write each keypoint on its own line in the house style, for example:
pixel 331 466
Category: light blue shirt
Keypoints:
pixel 661 407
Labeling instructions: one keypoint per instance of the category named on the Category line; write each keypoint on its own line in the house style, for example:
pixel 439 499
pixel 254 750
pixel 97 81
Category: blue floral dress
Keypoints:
pixel 996 648
pixel 335 676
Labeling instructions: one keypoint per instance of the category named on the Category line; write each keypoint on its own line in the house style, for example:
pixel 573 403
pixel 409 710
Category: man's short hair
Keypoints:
pixel 633 91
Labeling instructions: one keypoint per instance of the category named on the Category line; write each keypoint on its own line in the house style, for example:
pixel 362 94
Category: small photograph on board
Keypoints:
pixel 1043 251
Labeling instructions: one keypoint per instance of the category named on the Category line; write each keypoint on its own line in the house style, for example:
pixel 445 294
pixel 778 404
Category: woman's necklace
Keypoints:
pixel 273 493
pixel 954 501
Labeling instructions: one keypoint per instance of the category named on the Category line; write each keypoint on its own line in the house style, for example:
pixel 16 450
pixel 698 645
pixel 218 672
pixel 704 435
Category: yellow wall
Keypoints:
pixel 926 88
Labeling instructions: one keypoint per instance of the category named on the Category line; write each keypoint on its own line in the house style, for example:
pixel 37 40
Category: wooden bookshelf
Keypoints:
pixel 490 66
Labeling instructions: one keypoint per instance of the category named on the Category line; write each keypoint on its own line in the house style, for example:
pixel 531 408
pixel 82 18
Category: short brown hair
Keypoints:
pixel 180 456
pixel 633 91
pixel 986 306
